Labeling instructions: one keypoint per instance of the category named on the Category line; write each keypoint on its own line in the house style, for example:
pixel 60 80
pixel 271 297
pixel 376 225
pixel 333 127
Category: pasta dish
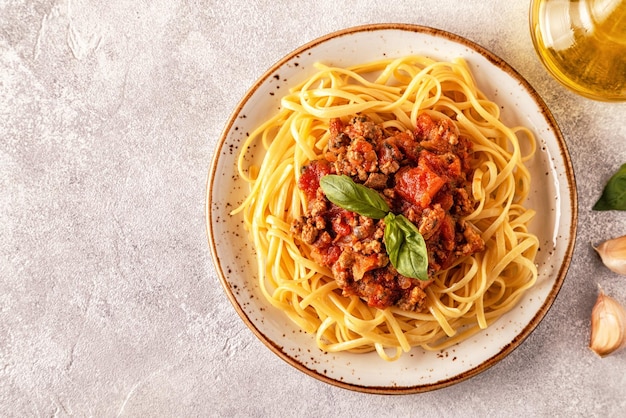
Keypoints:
pixel 388 210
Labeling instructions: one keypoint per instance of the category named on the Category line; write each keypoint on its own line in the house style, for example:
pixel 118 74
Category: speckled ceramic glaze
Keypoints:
pixel 553 196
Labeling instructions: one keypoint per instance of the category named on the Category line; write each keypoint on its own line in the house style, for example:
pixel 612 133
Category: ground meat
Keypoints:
pixel 377 181
pixel 424 175
pixel 431 220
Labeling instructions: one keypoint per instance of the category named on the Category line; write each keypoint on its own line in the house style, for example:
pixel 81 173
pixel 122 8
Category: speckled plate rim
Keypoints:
pixel 568 232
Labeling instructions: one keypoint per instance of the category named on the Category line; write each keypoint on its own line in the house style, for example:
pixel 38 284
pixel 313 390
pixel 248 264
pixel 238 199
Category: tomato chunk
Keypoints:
pixel 309 181
pixel 418 185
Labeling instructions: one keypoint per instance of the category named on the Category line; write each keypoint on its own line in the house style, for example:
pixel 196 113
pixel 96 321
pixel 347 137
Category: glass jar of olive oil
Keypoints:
pixel 582 43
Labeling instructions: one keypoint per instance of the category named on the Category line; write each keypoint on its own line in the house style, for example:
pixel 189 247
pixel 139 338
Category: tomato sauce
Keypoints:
pixel 424 174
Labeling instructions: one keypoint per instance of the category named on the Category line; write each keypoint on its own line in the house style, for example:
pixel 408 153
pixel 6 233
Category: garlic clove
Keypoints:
pixel 608 325
pixel 613 254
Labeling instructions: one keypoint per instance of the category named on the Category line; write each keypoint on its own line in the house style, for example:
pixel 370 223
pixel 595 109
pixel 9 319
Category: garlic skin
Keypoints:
pixel 608 325
pixel 613 254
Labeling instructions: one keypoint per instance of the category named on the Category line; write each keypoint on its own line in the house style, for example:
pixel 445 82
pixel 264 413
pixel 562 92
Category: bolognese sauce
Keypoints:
pixel 424 174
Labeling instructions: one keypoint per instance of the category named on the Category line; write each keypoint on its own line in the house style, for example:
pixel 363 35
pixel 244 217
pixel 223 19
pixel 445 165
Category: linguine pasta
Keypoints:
pixel 463 299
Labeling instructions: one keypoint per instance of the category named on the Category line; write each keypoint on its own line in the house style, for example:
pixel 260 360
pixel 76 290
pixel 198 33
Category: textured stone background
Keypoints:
pixel 109 302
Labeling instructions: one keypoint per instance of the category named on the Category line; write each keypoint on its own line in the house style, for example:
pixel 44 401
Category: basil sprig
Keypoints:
pixel 614 194
pixel 345 193
pixel 406 247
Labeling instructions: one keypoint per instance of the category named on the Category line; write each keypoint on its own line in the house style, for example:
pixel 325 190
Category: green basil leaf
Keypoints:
pixel 406 247
pixel 345 193
pixel 614 193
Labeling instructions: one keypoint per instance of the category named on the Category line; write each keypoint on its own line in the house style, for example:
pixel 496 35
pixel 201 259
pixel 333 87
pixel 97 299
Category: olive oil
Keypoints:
pixel 583 44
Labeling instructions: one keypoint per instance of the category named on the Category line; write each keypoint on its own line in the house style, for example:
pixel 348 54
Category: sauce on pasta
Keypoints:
pixel 422 174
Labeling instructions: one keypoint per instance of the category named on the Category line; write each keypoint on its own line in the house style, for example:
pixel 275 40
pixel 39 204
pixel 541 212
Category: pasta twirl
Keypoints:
pixel 462 299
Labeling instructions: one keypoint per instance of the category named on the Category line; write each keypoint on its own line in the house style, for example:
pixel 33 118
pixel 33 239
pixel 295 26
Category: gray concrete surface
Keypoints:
pixel 109 301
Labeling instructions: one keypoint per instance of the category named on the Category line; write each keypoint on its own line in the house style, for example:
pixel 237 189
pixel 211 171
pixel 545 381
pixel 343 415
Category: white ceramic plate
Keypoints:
pixel 553 196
